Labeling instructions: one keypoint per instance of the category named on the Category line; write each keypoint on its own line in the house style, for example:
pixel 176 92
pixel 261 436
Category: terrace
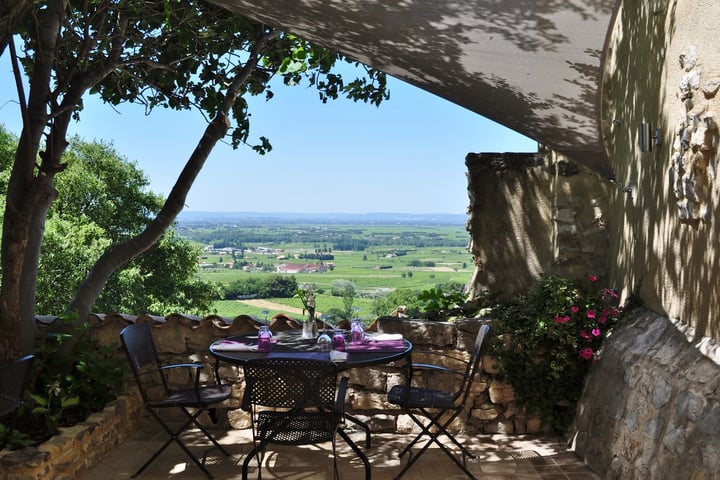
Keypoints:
pixel 114 443
pixel 500 457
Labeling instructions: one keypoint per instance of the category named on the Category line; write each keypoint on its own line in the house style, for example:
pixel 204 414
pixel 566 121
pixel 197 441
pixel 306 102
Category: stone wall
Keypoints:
pixel 78 448
pixel 532 215
pixel 492 404
pixel 651 406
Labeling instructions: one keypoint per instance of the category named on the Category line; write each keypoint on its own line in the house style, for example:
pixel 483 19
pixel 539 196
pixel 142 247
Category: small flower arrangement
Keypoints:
pixel 547 340
pixel 306 294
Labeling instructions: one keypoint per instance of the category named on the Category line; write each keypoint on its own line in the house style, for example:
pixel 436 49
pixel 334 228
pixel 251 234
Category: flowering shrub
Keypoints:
pixel 547 340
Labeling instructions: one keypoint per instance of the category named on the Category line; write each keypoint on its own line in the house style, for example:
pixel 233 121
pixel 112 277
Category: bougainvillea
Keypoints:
pixel 547 340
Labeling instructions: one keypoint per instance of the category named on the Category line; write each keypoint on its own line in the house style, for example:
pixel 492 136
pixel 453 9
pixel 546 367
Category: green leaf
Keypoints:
pixel 70 402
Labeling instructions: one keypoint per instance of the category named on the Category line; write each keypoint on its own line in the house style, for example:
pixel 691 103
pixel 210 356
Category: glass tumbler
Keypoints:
pixel 357 333
pixel 338 340
pixel 324 342
pixel 264 338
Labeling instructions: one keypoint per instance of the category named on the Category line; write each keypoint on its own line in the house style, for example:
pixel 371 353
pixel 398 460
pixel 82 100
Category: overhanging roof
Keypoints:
pixel 533 65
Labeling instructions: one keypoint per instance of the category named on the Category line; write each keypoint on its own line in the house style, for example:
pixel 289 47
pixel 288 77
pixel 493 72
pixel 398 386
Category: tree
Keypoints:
pixel 102 197
pixel 181 55
pixel 346 290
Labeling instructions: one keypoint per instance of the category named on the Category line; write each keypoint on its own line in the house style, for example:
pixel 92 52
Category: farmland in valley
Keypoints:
pixel 376 253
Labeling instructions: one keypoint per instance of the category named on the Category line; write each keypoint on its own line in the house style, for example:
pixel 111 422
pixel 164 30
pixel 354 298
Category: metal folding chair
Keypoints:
pixel 434 409
pixel 13 380
pixel 151 378
pixel 295 401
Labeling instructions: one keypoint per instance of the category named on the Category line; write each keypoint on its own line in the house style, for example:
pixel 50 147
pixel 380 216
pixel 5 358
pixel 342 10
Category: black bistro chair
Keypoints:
pixel 433 410
pixel 295 401
pixel 13 379
pixel 151 378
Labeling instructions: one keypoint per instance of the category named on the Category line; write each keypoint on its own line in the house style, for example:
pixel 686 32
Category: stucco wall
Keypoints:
pixel 671 263
pixel 650 409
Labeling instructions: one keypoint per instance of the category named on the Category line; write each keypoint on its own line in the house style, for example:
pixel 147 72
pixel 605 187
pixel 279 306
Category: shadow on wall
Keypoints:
pixel 671 264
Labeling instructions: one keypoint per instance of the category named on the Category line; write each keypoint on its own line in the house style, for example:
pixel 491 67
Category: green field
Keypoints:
pixel 391 257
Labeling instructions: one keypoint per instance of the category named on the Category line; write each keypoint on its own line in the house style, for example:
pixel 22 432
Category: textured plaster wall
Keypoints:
pixel 663 67
pixel 651 408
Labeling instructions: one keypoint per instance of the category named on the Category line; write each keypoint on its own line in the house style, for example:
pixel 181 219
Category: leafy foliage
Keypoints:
pixel 280 286
pixel 103 199
pixel 68 388
pixel 442 302
pixel 184 55
pixel 547 339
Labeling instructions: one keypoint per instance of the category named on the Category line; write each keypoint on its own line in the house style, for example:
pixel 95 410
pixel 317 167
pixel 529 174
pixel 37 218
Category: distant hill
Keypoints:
pixel 240 218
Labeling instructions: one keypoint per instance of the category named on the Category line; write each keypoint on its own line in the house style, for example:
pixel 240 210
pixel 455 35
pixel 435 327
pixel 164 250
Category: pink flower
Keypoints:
pixel 602 319
pixel 596 332
pixel 593 278
pixel 560 319
pixel 574 309
pixel 591 313
pixel 609 293
pixel 585 334
pixel 586 353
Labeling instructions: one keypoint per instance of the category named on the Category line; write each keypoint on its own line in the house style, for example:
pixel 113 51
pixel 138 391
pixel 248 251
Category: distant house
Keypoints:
pixel 300 267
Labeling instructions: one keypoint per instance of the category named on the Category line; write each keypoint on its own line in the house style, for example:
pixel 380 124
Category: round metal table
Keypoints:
pixel 290 343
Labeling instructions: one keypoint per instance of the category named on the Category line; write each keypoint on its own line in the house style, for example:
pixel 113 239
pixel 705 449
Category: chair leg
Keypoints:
pixel 442 429
pixel 362 424
pixel 175 437
pixel 194 418
pixel 246 463
pixel 433 437
pixel 357 451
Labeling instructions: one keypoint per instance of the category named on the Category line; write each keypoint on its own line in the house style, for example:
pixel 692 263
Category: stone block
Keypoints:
pixel 501 392
pixel 238 419
pixel 485 412
pixel 405 424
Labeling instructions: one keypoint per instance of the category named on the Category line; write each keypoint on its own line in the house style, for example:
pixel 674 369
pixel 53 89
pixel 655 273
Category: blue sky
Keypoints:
pixel 406 156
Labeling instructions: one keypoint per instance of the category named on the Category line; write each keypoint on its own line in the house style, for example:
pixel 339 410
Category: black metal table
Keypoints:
pixel 290 343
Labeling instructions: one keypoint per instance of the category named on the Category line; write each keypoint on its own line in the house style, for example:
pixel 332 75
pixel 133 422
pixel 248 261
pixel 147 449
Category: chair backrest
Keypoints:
pixel 474 362
pixel 13 379
pixel 290 383
pixel 138 343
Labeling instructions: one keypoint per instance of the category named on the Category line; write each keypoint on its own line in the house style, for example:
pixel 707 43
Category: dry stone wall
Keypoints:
pixel 78 448
pixel 492 403
pixel 651 409
pixel 532 215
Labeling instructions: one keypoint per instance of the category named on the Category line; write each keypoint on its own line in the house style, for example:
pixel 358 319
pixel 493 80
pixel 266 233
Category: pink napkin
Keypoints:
pixel 233 346
pixel 376 346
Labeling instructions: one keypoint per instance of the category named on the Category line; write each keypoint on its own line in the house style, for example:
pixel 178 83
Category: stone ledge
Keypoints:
pixel 78 448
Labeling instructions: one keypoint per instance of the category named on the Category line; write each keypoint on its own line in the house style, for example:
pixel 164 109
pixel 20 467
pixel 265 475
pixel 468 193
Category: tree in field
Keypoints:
pixel 160 53
pixel 346 290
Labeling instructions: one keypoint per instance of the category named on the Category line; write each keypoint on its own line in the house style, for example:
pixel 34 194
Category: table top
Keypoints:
pixel 291 344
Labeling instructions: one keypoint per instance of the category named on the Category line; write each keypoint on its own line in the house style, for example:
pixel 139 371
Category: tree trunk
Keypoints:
pixel 28 199
pixel 118 255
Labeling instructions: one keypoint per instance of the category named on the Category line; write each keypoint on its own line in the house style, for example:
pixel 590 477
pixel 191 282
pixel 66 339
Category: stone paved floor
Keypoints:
pixel 499 458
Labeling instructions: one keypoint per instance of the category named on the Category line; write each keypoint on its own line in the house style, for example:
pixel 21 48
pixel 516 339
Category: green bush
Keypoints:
pixel 68 385
pixel 546 341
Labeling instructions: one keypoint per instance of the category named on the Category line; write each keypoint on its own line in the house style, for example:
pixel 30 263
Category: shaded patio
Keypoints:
pixel 500 457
